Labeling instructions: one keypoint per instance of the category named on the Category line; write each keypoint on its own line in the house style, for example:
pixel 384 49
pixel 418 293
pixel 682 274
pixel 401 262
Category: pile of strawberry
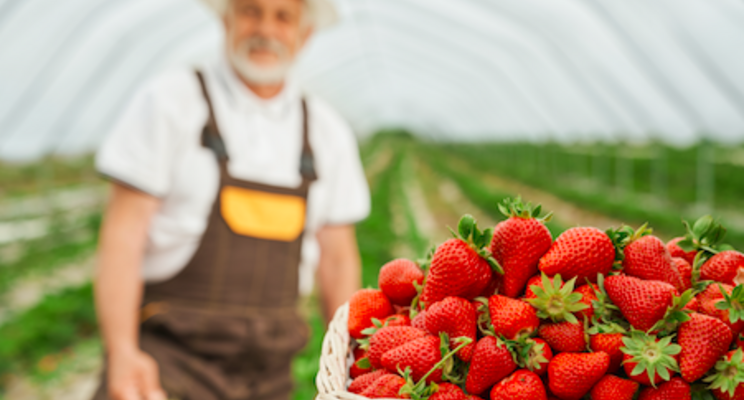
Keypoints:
pixel 509 313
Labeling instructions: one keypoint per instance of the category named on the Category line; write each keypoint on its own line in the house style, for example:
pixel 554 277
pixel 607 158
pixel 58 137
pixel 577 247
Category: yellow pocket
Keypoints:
pixel 263 215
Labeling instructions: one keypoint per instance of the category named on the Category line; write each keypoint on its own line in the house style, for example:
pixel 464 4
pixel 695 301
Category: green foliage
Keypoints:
pixel 556 300
pixel 729 374
pixel 654 356
pixel 734 303
pixel 57 322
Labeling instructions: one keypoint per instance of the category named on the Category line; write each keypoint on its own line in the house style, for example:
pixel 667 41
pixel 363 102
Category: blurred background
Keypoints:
pixel 606 112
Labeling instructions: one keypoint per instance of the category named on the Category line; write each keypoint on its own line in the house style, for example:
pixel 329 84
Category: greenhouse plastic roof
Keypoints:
pixel 567 70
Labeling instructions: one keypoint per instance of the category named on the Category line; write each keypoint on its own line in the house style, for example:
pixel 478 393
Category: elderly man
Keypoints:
pixel 229 187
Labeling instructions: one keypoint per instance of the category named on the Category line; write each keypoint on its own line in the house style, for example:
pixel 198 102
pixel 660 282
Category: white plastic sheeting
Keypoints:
pixel 567 70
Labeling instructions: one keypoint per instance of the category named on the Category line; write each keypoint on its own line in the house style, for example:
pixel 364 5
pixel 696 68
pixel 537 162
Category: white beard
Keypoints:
pixel 258 74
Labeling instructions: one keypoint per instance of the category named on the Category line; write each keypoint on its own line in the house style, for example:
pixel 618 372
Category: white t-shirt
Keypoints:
pixel 156 148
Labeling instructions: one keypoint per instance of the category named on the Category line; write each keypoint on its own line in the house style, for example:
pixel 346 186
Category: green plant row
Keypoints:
pixel 484 197
pixel 665 218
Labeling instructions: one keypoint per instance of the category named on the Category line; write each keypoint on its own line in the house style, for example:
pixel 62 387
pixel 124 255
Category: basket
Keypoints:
pixel 335 360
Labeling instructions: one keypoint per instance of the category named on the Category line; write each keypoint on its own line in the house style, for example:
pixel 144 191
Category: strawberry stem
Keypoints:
pixel 464 341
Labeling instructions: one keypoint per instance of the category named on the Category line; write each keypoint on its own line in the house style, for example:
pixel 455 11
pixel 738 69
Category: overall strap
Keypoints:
pixel 307 160
pixel 211 137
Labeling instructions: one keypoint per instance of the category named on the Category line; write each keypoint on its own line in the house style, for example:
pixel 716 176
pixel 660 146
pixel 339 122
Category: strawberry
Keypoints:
pixel 642 303
pixel 572 375
pixel 364 305
pixel 492 361
pixel 564 336
pixel 448 391
pixel 685 271
pixel 456 317
pixel 385 387
pixel 647 257
pixel 398 280
pixel 675 389
pixel 610 343
pixel 421 355
pixel 557 301
pixel 721 302
pixel 461 266
pixel 610 387
pixel 521 385
pixel 512 317
pixel 581 253
pixel 363 381
pixel 419 321
pixel 396 320
pixel 703 340
pixel 588 296
pixel 676 251
pixel 518 243
pixel 693 305
pixel 723 267
pixel 727 383
pixel 472 397
pixel 648 360
pixel 389 338
pixel 358 369
pixel 535 354
pixel 535 280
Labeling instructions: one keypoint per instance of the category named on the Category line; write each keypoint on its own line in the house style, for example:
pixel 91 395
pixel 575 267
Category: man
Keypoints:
pixel 223 182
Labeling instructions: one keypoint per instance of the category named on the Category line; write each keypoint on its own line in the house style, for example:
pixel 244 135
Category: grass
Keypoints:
pixel 49 174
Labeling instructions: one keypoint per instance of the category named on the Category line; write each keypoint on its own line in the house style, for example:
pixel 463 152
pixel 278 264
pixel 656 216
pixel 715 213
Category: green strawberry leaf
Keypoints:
pixel 729 374
pixel 363 363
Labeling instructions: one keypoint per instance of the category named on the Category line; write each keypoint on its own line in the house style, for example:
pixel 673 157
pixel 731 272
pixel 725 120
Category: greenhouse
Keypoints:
pixel 608 113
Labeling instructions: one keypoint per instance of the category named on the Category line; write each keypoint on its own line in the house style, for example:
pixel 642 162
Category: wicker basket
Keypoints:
pixel 335 360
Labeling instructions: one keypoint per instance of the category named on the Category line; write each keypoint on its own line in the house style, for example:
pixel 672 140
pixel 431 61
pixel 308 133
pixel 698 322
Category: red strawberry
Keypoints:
pixel 675 389
pixel 647 258
pixel 538 356
pixel 564 336
pixel 491 362
pixel 385 387
pixel 455 317
pixel 389 338
pixel 676 251
pixel 461 266
pixel 356 370
pixel 521 385
pixel 536 280
pixel 363 381
pixel 610 343
pixel 396 320
pixel 685 271
pixel 581 253
pixel 364 305
pixel 709 305
pixel 648 360
pixel 419 321
pixel 693 305
pixel 398 280
pixel 703 340
pixel 518 243
pixel 723 267
pixel 421 355
pixel 512 317
pixel 572 375
pixel 587 297
pixel 610 387
pixel 727 382
pixel 448 391
pixel 472 397
pixel 642 303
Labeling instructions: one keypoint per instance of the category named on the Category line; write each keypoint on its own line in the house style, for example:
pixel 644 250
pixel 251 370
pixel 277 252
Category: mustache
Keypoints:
pixel 264 43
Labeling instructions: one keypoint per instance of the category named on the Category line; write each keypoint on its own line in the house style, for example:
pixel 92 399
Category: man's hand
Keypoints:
pixel 133 375
pixel 339 271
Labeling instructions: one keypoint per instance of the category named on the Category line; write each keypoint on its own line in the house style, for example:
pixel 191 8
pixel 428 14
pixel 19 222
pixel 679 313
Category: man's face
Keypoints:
pixel 264 37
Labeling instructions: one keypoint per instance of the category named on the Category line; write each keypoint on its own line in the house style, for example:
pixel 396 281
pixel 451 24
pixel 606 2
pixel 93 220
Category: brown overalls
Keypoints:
pixel 227 327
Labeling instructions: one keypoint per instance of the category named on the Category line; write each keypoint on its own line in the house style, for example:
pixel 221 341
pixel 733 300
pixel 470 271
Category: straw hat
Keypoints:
pixel 323 11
